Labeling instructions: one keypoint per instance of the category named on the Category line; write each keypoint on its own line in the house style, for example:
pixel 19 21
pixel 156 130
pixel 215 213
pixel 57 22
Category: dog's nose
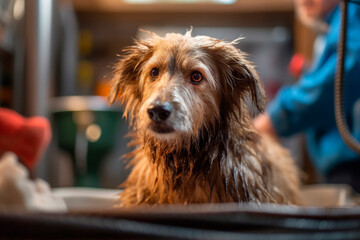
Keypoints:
pixel 159 113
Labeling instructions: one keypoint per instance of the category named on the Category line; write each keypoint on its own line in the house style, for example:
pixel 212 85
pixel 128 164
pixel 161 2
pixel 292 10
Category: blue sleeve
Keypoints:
pixel 310 102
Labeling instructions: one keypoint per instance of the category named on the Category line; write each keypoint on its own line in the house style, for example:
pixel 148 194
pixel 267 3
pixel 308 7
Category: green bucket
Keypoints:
pixel 85 127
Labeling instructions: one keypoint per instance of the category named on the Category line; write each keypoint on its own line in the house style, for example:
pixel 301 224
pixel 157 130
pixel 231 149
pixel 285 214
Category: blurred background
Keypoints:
pixel 56 60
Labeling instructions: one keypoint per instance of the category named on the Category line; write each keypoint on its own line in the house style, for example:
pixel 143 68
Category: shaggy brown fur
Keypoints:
pixel 206 150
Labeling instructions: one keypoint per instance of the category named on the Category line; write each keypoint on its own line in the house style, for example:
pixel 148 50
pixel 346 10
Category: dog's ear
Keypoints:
pixel 239 77
pixel 127 71
pixel 114 90
pixel 245 79
pixel 126 79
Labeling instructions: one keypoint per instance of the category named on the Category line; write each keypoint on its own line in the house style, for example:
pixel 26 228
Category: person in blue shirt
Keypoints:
pixel 308 105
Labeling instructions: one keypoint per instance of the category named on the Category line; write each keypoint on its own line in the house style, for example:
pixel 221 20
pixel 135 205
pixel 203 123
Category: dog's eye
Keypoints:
pixel 154 73
pixel 196 77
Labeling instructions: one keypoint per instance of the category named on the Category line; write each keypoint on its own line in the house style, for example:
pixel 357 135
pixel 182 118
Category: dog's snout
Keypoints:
pixel 160 112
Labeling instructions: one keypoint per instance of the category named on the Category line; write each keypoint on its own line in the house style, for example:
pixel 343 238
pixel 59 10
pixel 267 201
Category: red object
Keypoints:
pixel 296 65
pixel 26 137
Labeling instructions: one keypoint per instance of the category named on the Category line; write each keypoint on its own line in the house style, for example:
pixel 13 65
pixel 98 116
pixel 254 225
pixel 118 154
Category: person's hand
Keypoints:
pixel 263 124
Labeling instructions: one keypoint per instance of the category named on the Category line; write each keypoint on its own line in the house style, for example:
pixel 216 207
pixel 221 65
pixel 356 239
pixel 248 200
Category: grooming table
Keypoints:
pixel 91 216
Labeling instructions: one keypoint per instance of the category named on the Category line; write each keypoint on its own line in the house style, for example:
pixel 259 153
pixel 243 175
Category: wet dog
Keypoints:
pixel 186 100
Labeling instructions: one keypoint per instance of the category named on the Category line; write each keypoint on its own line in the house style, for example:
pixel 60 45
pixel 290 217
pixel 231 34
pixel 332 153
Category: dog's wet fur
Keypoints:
pixel 186 100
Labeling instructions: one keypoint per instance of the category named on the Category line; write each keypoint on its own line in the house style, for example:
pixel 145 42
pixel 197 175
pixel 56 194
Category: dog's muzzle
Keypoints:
pixel 159 114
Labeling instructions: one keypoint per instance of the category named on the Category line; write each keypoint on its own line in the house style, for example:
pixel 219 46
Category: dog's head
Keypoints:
pixel 172 87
